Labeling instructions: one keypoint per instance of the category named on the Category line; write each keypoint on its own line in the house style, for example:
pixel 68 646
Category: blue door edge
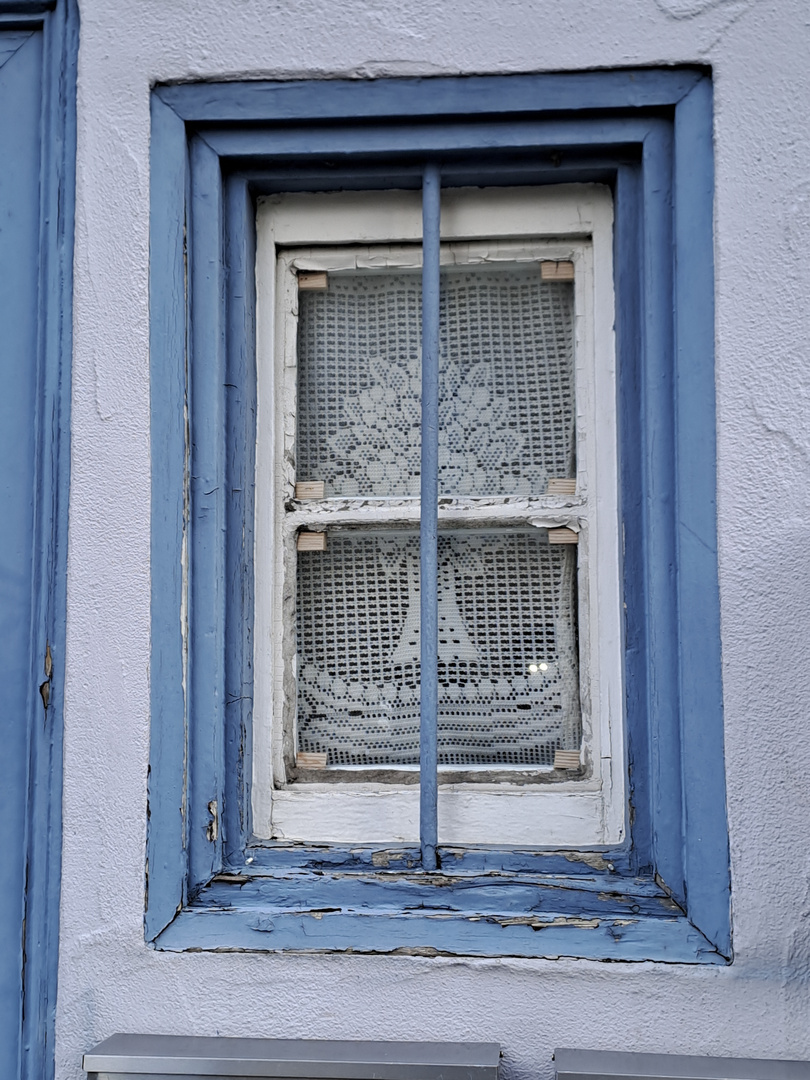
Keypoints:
pixel 43 839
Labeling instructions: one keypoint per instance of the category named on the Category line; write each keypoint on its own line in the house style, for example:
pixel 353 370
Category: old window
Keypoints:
pixel 278 819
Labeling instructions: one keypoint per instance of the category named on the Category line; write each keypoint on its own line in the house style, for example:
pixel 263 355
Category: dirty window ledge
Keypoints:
pixel 495 911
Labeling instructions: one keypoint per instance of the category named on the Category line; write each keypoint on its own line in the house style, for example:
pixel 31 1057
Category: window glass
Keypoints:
pixel 506 413
pixel 508 663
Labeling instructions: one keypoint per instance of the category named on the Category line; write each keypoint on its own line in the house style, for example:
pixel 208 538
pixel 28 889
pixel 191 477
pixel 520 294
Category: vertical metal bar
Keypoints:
pixel 428 530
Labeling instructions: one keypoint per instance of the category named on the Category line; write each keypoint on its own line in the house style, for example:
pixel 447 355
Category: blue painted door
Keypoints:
pixel 21 706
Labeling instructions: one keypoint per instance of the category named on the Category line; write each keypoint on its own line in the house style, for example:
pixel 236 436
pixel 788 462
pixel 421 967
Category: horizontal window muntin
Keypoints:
pixel 392 507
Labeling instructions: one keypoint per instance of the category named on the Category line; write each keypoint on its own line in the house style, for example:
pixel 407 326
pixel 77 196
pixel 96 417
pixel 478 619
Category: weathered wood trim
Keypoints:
pixel 208 504
pixel 429 139
pixel 465 96
pixel 166 865
pixel 659 510
pixel 280 855
pixel 240 412
pixel 551 935
pixel 706 856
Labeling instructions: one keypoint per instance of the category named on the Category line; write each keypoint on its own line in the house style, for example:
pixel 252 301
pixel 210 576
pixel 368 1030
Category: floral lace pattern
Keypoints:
pixel 508 673
pixel 506 409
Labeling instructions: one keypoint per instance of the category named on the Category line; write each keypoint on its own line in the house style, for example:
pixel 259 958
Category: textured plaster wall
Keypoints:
pixel 109 980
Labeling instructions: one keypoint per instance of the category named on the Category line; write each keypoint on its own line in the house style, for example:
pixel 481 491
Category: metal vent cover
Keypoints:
pixel 573 1064
pixel 127 1056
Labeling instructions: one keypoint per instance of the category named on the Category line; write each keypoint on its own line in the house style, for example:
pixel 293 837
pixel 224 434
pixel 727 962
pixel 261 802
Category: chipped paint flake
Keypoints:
pixel 544 924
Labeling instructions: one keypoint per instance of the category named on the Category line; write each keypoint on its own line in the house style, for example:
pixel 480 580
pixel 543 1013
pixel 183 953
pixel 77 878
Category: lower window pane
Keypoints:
pixel 508 669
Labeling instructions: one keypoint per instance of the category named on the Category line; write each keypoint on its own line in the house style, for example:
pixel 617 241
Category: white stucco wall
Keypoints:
pixel 109 979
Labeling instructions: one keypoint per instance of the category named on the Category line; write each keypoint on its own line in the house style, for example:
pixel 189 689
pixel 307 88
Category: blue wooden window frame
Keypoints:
pixel 665 893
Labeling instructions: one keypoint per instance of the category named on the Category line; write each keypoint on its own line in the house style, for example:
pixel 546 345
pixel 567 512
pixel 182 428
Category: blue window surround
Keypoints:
pixel 665 895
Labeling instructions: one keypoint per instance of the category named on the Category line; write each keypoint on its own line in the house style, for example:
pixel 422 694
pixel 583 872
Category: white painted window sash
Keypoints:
pixel 383 231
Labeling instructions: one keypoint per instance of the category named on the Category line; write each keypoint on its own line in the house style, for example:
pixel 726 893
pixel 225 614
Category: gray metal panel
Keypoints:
pixel 612 1064
pixel 292 1059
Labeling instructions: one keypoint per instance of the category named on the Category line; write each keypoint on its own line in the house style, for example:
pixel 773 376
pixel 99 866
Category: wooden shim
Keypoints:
pixel 311 541
pixel 310 489
pixel 566 759
pixel 556 271
pixel 313 280
pixel 310 759
pixel 563 536
pixel 561 485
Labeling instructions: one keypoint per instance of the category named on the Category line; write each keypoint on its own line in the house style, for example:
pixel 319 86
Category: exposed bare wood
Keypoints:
pixel 562 536
pixel 309 759
pixel 566 759
pixel 562 485
pixel 557 271
pixel 311 541
pixel 313 280
pixel 310 489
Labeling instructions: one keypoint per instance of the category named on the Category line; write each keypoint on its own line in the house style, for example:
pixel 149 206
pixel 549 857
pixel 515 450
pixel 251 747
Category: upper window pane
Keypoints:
pixel 506 411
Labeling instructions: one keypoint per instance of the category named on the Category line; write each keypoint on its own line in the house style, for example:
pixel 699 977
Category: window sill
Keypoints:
pixel 481 911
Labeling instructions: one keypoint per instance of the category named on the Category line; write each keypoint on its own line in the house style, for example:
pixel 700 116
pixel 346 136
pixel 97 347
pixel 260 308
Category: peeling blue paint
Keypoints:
pixel 437 933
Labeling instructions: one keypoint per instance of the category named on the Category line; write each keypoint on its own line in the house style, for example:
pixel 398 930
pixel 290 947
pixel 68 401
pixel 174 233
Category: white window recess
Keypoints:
pixel 529 594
